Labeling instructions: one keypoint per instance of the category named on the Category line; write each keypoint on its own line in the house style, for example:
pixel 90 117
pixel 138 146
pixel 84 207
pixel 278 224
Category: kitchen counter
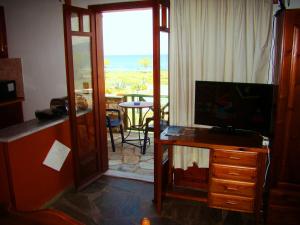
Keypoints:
pixel 26 183
pixel 17 131
pixel 29 127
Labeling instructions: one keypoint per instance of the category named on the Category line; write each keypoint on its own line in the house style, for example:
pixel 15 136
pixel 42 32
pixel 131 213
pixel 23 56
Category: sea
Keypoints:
pixel 132 62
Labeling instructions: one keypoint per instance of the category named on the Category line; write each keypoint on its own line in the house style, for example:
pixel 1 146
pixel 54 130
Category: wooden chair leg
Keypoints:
pixel 112 139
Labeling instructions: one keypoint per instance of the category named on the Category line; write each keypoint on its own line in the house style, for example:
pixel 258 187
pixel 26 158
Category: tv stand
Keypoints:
pixel 236 170
pixel 232 131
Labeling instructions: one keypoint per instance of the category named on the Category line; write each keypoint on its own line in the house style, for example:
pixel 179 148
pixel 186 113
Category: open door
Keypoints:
pixel 161 31
pixel 86 116
pixel 160 35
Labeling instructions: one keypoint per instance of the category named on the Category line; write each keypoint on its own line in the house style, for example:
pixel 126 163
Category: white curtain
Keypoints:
pixel 214 40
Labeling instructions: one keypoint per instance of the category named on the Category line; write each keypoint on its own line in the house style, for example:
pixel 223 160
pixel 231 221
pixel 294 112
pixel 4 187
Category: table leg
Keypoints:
pixel 139 127
pixel 170 169
pixel 158 178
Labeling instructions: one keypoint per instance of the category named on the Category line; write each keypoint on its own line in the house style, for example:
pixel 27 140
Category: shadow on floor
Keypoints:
pixel 117 201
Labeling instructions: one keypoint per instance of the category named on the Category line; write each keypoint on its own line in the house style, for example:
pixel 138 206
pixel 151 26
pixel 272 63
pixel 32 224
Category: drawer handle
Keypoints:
pixel 231 203
pixel 234 157
pixel 232 188
pixel 233 173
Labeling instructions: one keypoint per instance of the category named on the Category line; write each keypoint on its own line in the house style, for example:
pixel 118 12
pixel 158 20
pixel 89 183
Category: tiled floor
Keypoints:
pixel 127 161
pixel 117 201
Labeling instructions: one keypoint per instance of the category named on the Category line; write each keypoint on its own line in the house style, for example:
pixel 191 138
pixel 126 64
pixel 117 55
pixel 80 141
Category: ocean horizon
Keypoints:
pixel 132 62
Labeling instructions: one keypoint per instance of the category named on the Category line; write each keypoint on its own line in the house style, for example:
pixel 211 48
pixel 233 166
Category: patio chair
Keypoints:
pixel 114 119
pixel 164 122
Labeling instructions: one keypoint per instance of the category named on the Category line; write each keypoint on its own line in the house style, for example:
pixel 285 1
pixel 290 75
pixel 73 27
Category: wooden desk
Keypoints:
pixel 236 170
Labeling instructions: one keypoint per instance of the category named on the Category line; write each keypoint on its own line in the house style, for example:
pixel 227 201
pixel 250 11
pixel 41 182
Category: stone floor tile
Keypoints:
pixel 131 159
pixel 146 165
pixel 128 167
pixel 123 201
pixel 145 172
pixel 115 162
pixel 148 158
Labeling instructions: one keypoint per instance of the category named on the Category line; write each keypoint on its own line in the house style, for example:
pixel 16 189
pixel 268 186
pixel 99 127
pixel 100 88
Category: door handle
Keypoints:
pixel 232 188
pixel 234 173
pixel 231 203
pixel 234 157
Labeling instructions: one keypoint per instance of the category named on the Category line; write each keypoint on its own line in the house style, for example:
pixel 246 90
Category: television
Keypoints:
pixel 235 107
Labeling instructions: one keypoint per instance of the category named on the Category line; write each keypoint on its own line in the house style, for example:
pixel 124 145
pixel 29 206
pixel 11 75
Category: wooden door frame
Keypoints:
pixel 122 6
pixel 68 33
pixel 157 28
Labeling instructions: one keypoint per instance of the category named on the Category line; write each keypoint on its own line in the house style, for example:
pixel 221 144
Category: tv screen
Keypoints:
pixel 234 106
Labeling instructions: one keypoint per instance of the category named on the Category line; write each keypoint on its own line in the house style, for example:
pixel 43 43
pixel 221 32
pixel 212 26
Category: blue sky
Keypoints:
pixel 129 33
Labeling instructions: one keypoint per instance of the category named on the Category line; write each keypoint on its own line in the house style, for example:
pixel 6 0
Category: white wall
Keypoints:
pixel 35 34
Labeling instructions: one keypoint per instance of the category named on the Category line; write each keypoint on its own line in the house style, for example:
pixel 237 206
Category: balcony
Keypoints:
pixel 133 117
pixel 127 160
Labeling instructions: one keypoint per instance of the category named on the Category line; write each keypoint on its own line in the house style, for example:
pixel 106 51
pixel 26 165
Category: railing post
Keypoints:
pixel 133 112
pixel 126 115
pixel 140 112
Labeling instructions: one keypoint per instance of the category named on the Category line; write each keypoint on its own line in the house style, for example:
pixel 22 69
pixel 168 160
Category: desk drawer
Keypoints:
pixel 235 157
pixel 232 187
pixel 234 172
pixel 231 202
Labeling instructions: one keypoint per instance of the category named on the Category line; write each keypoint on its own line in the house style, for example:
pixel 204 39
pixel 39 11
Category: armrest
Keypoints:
pixel 148 120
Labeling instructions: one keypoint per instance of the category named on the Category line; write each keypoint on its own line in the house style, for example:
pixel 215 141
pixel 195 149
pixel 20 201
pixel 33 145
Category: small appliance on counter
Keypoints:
pixel 58 108
pixel 7 90
pixel 59 104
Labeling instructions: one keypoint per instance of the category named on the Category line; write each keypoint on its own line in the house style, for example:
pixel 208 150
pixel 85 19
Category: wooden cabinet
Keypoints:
pixel 284 198
pixel 236 170
pixel 25 182
pixel 3 40
pixel 233 180
pixel 231 202
pixel 232 187
pixel 12 112
pixel 240 158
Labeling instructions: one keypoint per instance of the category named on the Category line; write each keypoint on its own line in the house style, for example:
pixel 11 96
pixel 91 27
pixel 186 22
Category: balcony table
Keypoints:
pixel 139 127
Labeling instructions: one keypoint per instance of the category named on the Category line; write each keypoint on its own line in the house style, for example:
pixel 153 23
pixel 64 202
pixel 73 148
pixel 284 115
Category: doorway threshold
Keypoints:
pixel 128 175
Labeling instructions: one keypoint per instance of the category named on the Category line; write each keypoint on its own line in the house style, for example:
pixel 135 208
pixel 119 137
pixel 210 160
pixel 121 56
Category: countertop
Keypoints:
pixel 17 131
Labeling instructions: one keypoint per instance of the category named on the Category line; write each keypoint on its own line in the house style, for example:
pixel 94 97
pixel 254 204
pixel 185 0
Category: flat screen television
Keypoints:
pixel 235 107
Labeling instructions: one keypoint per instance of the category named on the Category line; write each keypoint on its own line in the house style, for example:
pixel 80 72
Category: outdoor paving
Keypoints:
pixel 127 160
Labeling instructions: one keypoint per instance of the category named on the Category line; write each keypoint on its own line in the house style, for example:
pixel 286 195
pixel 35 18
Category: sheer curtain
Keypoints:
pixel 214 40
